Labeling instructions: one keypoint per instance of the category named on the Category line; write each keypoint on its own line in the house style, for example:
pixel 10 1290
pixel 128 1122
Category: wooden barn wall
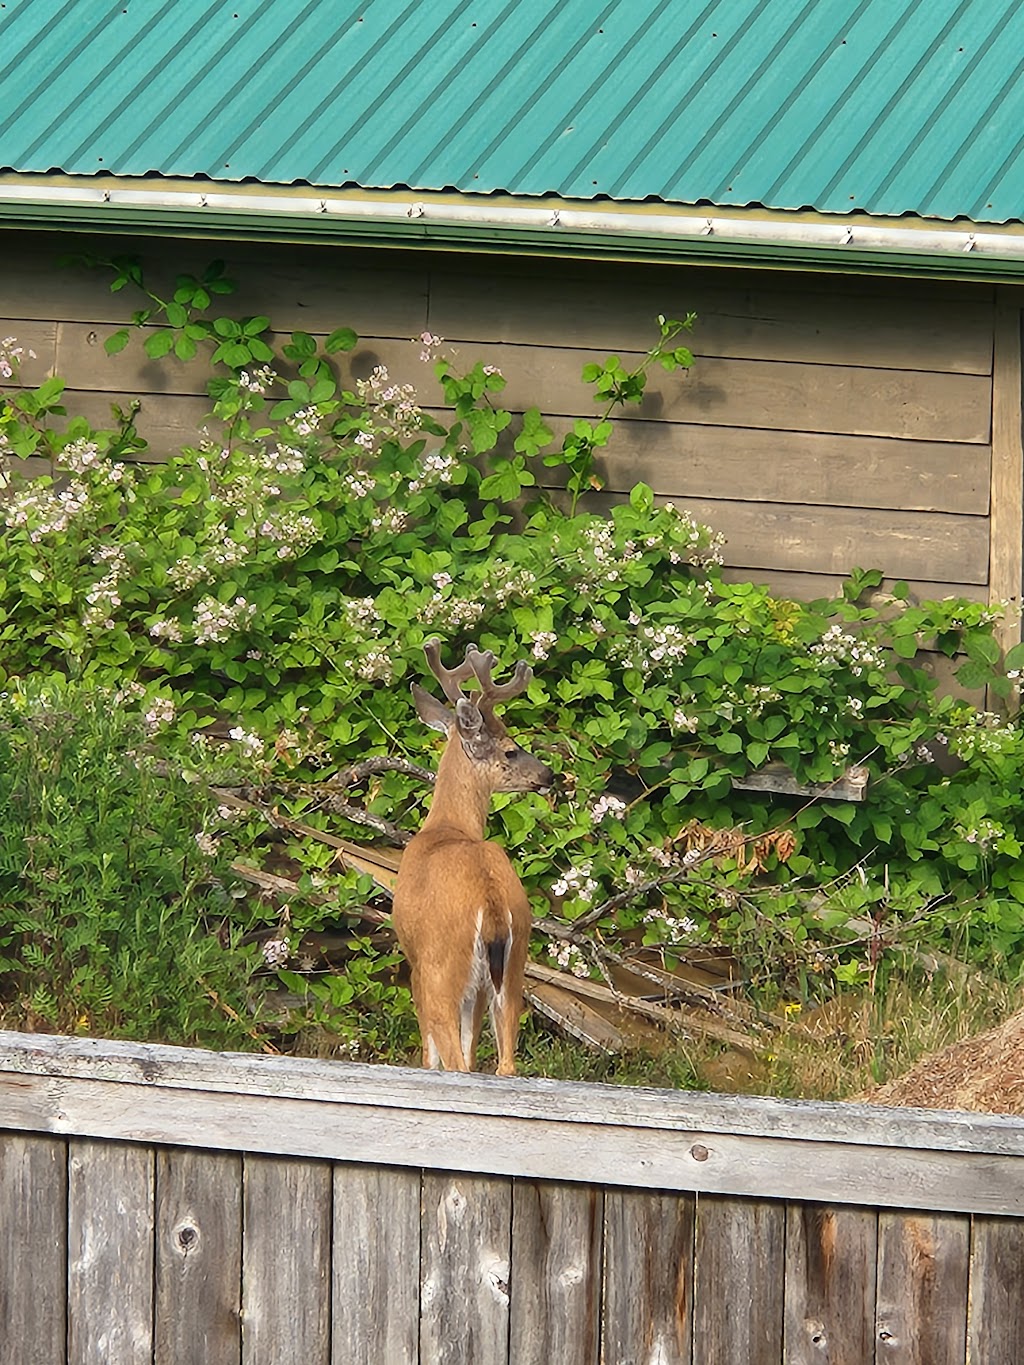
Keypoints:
pixel 829 422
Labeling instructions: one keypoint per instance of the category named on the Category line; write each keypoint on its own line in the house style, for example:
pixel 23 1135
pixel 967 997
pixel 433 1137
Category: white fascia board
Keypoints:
pixel 795 235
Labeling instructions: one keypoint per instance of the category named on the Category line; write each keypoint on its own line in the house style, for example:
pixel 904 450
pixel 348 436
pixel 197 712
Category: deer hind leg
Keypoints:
pixel 472 1020
pixel 507 1006
pixel 440 1032
pixel 442 1043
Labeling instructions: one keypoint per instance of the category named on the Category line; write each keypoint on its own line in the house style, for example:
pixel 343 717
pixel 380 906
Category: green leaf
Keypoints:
pixel 301 346
pixel 116 342
pixel 972 674
pixel 757 752
pixel 341 339
pixel 981 644
pixel 177 316
pixel 641 498
pixel 159 343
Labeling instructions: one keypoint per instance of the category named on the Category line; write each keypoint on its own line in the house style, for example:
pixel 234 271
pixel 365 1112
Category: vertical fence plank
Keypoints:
pixel 110 1253
pixel 995 1330
pixel 33 1250
pixel 648 1302
pixel 198 1257
pixel 556 1273
pixel 376 1265
pixel 464 1299
pixel 921 1312
pixel 830 1284
pixel 286 1212
pixel 738 1280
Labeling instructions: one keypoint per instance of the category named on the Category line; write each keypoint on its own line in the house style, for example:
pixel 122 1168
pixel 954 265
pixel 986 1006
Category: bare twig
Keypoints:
pixel 358 816
pixel 380 763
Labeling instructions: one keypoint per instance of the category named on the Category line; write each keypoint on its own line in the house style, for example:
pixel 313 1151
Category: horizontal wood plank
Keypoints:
pixel 808 587
pixel 739 317
pixel 926 546
pixel 25 1058
pixel 677 1154
pixel 313 289
pixel 167 421
pixel 755 465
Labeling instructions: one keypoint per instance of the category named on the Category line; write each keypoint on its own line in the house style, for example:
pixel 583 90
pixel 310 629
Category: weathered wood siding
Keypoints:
pixel 160 1206
pixel 829 422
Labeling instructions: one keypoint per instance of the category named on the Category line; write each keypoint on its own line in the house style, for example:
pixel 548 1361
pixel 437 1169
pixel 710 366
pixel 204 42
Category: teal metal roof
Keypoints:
pixel 883 106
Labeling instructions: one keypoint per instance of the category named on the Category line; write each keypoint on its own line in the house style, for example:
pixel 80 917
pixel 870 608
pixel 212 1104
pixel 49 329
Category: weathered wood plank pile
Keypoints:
pixel 171 1206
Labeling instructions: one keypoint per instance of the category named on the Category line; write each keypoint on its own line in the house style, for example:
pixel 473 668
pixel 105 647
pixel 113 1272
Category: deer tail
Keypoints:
pixel 497 957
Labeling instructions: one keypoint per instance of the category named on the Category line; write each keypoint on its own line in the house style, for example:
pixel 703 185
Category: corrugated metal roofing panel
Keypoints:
pixel 884 106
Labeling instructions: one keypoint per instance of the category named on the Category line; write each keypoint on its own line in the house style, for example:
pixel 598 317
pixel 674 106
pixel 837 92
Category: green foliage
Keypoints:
pixel 119 913
pixel 286 572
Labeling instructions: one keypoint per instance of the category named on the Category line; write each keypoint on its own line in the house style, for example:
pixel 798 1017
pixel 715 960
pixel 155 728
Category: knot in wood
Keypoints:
pixel 699 1152
pixel 186 1236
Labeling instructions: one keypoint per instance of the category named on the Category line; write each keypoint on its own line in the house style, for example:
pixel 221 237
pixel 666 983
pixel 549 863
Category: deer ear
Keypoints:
pixel 476 739
pixel 432 712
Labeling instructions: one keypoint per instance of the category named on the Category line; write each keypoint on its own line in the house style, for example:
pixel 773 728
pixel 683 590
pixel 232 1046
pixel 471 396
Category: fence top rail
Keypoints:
pixel 527 1129
pixel 561 1102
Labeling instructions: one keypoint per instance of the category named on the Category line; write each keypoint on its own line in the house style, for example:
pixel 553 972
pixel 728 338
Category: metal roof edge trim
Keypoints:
pixel 622 235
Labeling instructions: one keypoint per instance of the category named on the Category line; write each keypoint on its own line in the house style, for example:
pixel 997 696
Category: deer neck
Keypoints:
pixel 460 799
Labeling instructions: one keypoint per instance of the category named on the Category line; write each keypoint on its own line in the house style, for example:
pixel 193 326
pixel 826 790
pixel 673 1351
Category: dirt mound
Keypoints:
pixel 983 1073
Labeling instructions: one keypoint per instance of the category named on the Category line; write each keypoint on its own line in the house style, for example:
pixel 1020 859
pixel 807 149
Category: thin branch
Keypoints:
pixel 380 763
pixel 358 816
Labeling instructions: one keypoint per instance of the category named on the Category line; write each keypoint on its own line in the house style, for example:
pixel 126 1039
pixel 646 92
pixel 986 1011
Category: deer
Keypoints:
pixel 460 912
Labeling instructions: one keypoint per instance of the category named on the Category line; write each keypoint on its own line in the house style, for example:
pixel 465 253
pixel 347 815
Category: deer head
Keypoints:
pixel 493 759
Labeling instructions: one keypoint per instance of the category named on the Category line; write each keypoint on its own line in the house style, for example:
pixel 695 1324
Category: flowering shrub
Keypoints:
pixel 285 572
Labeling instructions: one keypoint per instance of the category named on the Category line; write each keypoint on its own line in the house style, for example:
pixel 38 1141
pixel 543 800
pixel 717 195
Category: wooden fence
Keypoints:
pixel 173 1206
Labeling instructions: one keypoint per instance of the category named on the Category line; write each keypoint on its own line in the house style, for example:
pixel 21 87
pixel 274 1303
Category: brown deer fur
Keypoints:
pixel 460 911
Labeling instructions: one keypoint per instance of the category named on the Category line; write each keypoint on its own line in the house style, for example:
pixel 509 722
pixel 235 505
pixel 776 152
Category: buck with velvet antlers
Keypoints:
pixel 460 911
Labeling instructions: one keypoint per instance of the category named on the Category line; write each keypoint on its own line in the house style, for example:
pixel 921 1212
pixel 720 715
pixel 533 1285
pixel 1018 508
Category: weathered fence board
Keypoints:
pixel 286 1262
pixel 648 1299
pixel 995 1328
pixel 33 1250
pixel 922 1288
pixel 466 1254
pixel 110 1253
pixel 376 1265
pixel 556 1273
pixel 198 1257
pixel 830 1284
pixel 739 1281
